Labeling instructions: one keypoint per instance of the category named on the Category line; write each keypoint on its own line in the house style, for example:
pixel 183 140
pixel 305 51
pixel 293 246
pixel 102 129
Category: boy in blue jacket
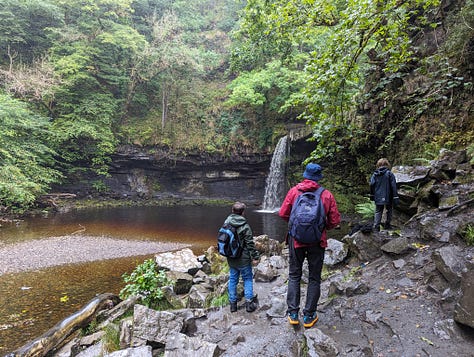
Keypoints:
pixel 383 191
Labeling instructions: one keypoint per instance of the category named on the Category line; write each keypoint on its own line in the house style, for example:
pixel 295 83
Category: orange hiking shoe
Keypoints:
pixel 293 319
pixel 310 320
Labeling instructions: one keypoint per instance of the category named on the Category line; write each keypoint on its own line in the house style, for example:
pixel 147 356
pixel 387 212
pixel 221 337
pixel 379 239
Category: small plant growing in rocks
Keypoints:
pixel 146 283
pixel 469 234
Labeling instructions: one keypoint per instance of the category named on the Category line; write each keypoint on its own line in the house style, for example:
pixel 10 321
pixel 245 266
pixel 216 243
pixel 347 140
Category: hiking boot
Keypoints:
pixel 387 226
pixel 293 318
pixel 310 320
pixel 233 306
pixel 250 306
pixel 376 229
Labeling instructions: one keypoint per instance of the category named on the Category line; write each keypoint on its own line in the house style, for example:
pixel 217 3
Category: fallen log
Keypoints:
pixel 57 334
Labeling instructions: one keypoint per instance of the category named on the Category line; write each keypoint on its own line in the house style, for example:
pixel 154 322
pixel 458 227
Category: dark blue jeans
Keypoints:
pixel 378 215
pixel 315 257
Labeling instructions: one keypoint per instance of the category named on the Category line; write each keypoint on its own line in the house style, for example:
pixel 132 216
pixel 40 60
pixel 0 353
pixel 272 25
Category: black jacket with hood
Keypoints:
pixel 383 187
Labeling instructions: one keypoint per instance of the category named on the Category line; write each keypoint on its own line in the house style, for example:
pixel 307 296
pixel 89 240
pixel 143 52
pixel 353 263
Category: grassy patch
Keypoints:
pixel 111 338
pixel 219 301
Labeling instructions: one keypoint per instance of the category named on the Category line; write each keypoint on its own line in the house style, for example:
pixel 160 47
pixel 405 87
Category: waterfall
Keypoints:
pixel 275 183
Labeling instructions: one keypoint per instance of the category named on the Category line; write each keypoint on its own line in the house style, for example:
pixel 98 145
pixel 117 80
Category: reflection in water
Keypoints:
pixel 33 302
pixel 274 226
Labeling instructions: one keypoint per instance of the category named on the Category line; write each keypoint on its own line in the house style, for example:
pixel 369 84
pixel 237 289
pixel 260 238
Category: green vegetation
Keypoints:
pixel 357 65
pixel 366 209
pixel 468 234
pixel 146 283
pixel 26 160
pixel 78 79
pixel 89 329
pixel 111 338
pixel 219 301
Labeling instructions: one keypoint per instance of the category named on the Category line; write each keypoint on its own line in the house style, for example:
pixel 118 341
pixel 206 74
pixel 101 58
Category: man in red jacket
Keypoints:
pixel 314 253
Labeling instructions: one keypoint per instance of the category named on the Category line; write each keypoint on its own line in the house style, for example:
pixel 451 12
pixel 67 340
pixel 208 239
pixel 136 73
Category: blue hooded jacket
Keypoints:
pixel 383 187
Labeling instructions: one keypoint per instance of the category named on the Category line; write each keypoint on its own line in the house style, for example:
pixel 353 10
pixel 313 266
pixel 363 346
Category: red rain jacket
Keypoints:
pixel 333 217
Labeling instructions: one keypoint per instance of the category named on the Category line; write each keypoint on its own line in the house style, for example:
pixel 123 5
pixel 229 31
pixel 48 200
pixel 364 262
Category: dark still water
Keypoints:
pixel 32 302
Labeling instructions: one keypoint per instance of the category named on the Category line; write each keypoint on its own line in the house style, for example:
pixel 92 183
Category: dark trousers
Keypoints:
pixel 315 257
pixel 378 215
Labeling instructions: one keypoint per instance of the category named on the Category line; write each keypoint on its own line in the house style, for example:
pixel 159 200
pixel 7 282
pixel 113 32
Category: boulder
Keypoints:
pixel 198 296
pixel 320 344
pixel 336 252
pixel 183 281
pixel 450 263
pixel 397 246
pixel 182 260
pixel 267 246
pixel 365 246
pixel 142 351
pixel 180 345
pixel 264 271
pixel 464 309
pixel 154 326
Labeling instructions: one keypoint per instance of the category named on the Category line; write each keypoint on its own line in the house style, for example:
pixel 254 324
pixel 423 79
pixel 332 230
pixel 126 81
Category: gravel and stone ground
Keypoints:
pixel 44 253
pixel 402 314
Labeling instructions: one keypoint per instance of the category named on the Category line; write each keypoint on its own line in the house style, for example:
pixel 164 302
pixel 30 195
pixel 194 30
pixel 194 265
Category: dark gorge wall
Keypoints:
pixel 156 173
pixel 153 173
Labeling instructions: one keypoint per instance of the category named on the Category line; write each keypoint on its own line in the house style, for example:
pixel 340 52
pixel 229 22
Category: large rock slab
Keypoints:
pixel 183 261
pixel 180 345
pixel 336 252
pixel 450 263
pixel 154 326
pixel 464 310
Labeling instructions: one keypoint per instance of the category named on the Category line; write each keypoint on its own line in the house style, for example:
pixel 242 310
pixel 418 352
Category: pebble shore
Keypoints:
pixel 44 253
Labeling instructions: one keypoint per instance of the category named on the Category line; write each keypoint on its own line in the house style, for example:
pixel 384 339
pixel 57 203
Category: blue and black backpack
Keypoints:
pixel 228 242
pixel 308 217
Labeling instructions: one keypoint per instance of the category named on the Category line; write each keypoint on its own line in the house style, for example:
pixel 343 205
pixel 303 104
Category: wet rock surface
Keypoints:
pixel 403 292
pixel 398 314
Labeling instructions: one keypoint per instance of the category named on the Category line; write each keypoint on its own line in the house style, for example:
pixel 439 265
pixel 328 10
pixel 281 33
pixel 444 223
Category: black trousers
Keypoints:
pixel 315 256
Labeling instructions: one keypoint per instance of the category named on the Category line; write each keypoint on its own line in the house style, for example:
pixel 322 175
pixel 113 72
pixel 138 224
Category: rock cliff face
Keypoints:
pixel 155 173
pixel 152 173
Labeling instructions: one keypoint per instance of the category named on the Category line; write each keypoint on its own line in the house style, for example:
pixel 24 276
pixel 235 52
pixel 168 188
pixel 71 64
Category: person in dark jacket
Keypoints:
pixel 314 253
pixel 383 191
pixel 243 265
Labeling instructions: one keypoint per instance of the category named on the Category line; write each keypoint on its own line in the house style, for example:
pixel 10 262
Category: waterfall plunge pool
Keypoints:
pixel 31 302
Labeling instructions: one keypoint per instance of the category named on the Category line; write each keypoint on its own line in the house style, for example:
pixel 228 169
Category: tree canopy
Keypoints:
pixel 81 78
pixel 331 47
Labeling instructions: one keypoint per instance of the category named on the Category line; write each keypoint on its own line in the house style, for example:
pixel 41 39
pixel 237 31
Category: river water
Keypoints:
pixel 32 302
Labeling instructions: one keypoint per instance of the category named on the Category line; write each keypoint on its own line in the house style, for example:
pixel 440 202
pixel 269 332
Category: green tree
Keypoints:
pixel 92 55
pixel 24 29
pixel 338 41
pixel 267 89
pixel 26 162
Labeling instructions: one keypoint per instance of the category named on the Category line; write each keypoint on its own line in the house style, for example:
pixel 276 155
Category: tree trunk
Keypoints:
pixel 57 334
pixel 164 110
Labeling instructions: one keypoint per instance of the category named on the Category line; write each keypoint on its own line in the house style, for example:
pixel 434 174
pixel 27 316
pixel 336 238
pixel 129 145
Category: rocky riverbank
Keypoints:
pixel 390 306
pixel 406 292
